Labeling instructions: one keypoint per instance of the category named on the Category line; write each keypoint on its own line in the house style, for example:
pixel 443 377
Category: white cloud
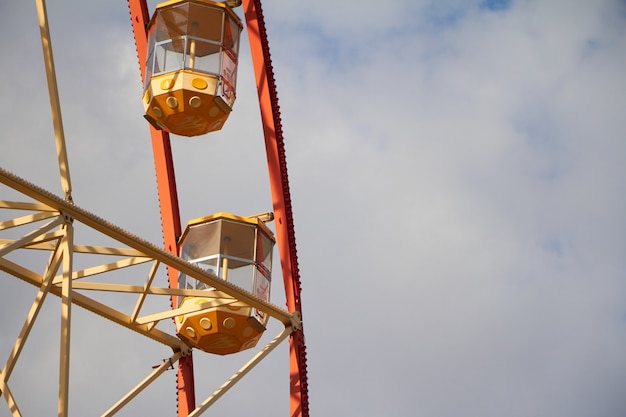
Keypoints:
pixel 457 183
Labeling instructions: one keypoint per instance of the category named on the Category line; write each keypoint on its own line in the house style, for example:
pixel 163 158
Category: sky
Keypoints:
pixel 457 178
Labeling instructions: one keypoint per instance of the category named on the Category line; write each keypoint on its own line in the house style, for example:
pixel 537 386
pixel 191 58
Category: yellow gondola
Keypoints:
pixel 238 250
pixel 191 67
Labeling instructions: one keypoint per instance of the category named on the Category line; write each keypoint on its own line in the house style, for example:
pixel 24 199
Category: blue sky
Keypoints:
pixel 495 5
pixel 457 179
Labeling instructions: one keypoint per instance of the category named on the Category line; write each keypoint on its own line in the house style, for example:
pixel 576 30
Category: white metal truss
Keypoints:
pixel 59 278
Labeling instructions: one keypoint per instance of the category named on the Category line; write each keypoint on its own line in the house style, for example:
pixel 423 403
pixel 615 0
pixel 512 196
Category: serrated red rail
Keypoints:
pixel 279 182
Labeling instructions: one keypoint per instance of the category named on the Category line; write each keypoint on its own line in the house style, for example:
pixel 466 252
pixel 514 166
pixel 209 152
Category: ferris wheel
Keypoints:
pixel 219 266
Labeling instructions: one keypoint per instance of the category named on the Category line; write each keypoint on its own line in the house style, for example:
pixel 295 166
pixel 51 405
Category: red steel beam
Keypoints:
pixel 168 200
pixel 279 183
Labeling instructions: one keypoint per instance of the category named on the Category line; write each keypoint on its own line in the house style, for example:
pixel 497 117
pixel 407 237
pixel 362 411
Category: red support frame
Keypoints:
pixel 168 200
pixel 279 183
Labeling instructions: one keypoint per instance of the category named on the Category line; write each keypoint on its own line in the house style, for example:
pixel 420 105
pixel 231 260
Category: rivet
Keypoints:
pixel 205 323
pixel 195 102
pixel 229 323
pixel 247 332
pixel 157 112
pixel 191 332
pixel 171 102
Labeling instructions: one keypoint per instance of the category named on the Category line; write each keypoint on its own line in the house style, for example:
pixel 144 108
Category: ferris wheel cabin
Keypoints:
pixel 191 66
pixel 235 249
